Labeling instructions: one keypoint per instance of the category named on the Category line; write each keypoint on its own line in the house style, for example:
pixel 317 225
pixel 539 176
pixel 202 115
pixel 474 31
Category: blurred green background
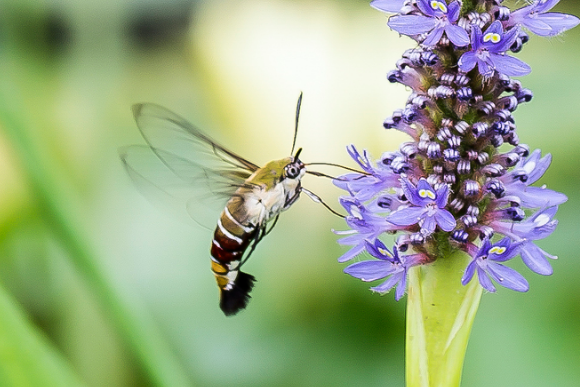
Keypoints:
pixel 101 288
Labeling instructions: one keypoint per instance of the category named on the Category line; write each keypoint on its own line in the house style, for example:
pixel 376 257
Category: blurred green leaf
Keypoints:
pixel 62 212
pixel 26 357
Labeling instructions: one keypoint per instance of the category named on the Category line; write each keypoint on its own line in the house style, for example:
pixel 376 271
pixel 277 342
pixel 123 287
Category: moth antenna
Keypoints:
pixel 320 174
pixel 339 166
pixel 316 199
pixel 296 122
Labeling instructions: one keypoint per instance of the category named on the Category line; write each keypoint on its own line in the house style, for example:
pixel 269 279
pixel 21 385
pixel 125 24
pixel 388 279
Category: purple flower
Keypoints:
pixel 536 18
pixel 374 180
pixel 427 207
pixel 452 182
pixel 363 225
pixel 488 52
pixel 392 6
pixel 538 226
pixel 439 17
pixel 526 172
pixel 389 264
pixel 485 262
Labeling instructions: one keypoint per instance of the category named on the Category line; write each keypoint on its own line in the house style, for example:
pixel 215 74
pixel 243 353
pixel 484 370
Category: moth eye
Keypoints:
pixel 292 171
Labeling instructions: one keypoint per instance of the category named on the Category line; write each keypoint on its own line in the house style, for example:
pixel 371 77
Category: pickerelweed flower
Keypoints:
pixel 536 18
pixel 389 264
pixel 485 261
pixel 488 52
pixel 437 17
pixel 392 6
pixel 450 188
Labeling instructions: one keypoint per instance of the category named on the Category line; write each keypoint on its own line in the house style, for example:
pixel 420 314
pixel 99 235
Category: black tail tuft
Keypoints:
pixel 236 299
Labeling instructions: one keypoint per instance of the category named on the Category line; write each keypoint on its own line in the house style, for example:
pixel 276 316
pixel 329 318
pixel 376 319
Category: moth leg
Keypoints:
pixel 316 199
pixel 292 199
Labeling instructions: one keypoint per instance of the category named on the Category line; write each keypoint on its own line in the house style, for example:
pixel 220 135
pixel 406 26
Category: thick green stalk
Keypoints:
pixel 62 210
pixel 440 313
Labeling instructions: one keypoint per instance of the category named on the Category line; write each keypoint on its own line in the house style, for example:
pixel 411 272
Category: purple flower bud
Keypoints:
pixel 460 236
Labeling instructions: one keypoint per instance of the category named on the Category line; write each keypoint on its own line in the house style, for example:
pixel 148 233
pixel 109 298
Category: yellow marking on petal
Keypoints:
pixel 425 193
pixel 497 250
pixel 438 5
pixel 493 37
pixel 385 252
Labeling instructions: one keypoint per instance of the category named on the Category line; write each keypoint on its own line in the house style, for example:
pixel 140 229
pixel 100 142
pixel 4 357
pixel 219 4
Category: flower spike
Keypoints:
pixel 450 188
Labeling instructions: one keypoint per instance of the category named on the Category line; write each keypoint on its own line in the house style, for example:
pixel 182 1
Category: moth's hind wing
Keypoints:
pixel 181 167
pixel 176 184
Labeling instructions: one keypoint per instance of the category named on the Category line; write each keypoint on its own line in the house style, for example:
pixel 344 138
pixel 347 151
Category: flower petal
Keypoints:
pixel 485 68
pixel 428 225
pixel 453 10
pixel 406 216
pixel 442 196
pixel 484 280
pixel 445 220
pixel 509 65
pixel 389 283
pixel 379 250
pixel 545 5
pixel 412 24
pixel 433 37
pixel 536 197
pixel 507 40
pixel 537 26
pixel 539 167
pixel 467 61
pixel 495 28
pixel 557 22
pixel 457 35
pixel 393 6
pixel 350 254
pixel 535 260
pixel 468 275
pixel 370 270
pixel 401 287
pixel 507 277
pixel 425 7
pixel 476 37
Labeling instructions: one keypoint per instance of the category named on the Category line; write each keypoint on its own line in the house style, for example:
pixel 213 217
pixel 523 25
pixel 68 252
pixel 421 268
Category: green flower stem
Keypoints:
pixel 440 313
pixel 62 211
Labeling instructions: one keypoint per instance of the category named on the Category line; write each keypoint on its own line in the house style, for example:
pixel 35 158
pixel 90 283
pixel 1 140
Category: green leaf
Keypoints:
pixel 26 356
pixel 62 210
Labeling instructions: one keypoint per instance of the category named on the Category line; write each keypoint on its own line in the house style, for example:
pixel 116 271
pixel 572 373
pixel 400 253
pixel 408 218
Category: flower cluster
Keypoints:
pixel 451 187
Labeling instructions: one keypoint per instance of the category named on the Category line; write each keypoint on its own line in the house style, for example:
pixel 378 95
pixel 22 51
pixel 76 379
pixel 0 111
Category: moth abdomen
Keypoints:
pixel 236 298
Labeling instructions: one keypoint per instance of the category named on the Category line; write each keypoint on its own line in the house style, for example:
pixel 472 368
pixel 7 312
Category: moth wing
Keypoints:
pixel 181 167
pixel 165 130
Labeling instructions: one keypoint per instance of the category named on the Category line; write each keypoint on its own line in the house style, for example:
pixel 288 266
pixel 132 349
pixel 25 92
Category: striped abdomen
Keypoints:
pixel 230 241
